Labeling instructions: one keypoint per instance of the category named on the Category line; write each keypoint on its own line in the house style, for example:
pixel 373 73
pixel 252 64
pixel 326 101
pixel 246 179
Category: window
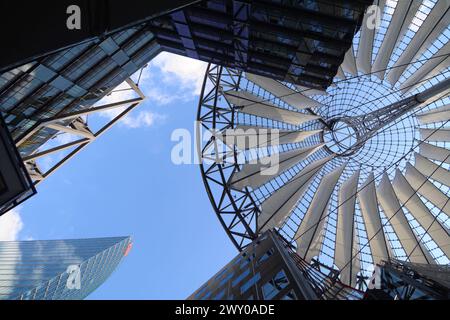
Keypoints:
pixel 220 274
pixel 274 286
pixel 290 296
pixel 220 295
pixel 251 282
pixel 242 276
pixel 207 295
pixel 266 256
pixel 226 279
pixel 201 291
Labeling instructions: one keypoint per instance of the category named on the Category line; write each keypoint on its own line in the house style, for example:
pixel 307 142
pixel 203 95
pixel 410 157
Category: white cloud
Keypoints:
pixel 142 119
pixel 168 78
pixel 10 225
pixel 187 73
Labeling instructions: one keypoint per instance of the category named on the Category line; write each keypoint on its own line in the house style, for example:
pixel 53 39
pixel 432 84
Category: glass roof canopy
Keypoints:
pixel 394 189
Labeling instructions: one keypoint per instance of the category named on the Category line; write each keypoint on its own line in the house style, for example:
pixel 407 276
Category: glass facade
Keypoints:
pixel 302 42
pixel 400 280
pixel 269 269
pixel 297 43
pixel 70 80
pixel 58 269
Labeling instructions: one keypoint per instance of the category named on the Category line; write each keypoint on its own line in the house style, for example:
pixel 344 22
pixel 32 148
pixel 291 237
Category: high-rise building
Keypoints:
pixel 401 280
pixel 302 43
pixel 268 269
pixel 58 269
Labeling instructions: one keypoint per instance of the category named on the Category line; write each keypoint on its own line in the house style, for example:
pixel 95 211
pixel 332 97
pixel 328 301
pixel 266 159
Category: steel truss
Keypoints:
pixel 73 123
pixel 236 209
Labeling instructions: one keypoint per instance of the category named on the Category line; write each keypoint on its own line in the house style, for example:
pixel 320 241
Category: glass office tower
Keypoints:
pixel 58 269
pixel 269 269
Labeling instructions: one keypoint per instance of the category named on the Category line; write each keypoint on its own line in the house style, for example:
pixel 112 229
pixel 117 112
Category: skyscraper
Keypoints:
pixel 268 269
pixel 58 269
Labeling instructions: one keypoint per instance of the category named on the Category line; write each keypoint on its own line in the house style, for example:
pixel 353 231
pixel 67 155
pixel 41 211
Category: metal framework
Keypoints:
pixel 74 123
pixel 345 204
pixel 235 209
pixel 278 39
pixel 401 280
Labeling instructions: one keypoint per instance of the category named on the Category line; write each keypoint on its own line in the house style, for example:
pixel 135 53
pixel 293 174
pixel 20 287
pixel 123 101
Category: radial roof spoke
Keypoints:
pixel 311 225
pixel 280 204
pixel 440 114
pixel 434 24
pixel 369 208
pixel 256 174
pixel 286 94
pixel 427 189
pixel 436 64
pixel 402 17
pixel 345 235
pixel 394 212
pixel 432 170
pixel 409 198
pixel 435 153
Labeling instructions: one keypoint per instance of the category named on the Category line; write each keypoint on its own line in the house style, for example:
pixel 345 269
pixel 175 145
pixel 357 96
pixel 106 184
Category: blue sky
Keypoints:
pixel 125 183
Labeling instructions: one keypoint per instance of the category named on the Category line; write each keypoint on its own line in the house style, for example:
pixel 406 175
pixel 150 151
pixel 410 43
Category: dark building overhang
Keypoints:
pixel 34 29
pixel 15 184
pixel 303 42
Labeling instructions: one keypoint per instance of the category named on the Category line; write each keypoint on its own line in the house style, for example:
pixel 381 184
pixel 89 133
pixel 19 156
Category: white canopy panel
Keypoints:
pixel 308 231
pixel 310 92
pixel 245 98
pixel 435 22
pixel 427 189
pixel 369 208
pixel 367 35
pixel 345 232
pixel 409 198
pixel 256 174
pixel 291 97
pixel 437 63
pixel 276 208
pixel 401 18
pixel 316 244
pixel 440 135
pixel 435 153
pixel 340 73
pixel 394 212
pixel 349 63
pixel 278 114
pixel 432 170
pixel 251 137
pixel 254 105
pixel 440 114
